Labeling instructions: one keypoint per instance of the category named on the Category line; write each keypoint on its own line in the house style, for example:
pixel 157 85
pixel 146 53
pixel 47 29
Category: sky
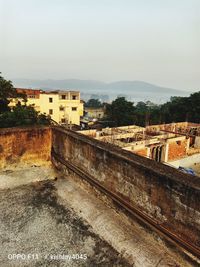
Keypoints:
pixel 156 41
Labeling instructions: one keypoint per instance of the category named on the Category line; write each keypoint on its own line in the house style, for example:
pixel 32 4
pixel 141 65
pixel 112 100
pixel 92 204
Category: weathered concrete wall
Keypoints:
pixel 165 194
pixel 25 145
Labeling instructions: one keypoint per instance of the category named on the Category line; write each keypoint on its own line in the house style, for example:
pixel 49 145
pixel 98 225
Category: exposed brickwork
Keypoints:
pixel 29 92
pixel 177 150
pixel 142 152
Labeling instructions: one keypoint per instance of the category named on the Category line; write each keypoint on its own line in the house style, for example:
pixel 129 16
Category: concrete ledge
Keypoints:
pixel 149 165
pixel 162 192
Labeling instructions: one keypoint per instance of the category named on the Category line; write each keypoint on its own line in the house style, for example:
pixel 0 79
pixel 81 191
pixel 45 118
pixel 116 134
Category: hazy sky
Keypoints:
pixel 156 41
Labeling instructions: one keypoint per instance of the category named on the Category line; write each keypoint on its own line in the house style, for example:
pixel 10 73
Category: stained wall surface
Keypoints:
pixel 25 145
pixel 161 192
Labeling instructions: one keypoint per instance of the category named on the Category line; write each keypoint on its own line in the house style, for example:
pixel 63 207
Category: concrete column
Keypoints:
pixel 188 144
pixel 148 152
pixel 166 153
pixel 68 95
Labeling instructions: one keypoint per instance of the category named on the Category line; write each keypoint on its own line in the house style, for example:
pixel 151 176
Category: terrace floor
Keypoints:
pixel 60 222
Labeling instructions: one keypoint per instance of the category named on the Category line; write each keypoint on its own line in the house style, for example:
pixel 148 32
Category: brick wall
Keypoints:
pixel 142 152
pixel 177 150
pixel 24 145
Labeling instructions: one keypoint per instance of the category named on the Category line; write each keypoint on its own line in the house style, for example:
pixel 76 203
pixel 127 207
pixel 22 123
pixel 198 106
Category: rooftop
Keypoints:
pixel 40 91
pixel 51 218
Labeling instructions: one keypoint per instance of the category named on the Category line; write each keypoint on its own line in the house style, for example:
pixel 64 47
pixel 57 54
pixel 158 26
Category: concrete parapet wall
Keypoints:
pixel 25 145
pixel 161 192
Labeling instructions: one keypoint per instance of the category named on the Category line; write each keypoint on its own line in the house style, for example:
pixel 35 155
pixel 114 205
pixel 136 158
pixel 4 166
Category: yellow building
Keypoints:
pixel 64 107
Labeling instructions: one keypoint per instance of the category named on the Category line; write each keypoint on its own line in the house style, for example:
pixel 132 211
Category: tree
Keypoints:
pixel 23 115
pixel 194 107
pixel 141 112
pixel 121 111
pixel 147 113
pixel 7 91
pixel 20 115
pixel 93 103
pixel 181 109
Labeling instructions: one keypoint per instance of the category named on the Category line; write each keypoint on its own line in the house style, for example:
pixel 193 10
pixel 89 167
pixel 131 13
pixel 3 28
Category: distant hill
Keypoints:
pixel 133 90
pixel 61 84
pixel 90 85
pixel 140 86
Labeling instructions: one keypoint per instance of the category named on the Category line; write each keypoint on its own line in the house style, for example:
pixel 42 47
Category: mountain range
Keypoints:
pixel 134 90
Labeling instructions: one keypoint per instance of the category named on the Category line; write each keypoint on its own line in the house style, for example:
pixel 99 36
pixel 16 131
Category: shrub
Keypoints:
pixel 23 116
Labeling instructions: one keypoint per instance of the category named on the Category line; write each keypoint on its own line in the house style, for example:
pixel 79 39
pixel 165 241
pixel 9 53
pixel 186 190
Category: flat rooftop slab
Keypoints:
pixel 34 224
pixel 62 222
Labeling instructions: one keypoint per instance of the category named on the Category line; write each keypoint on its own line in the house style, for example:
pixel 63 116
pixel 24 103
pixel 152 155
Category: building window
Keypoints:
pixel 74 108
pixel 63 96
pixel 74 97
pixel 31 96
pixel 51 112
pixel 50 100
pixel 63 120
pixel 62 108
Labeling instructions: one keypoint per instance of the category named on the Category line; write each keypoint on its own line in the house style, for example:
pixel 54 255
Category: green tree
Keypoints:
pixel 93 103
pixel 147 113
pixel 23 115
pixel 181 109
pixel 20 115
pixel 7 91
pixel 141 112
pixel 141 107
pixel 121 112
pixel 194 107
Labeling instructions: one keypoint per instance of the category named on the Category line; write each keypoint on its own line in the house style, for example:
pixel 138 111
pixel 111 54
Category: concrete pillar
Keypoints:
pixel 197 142
pixel 68 95
pixel 187 144
pixel 97 134
pixel 166 152
pixel 148 152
